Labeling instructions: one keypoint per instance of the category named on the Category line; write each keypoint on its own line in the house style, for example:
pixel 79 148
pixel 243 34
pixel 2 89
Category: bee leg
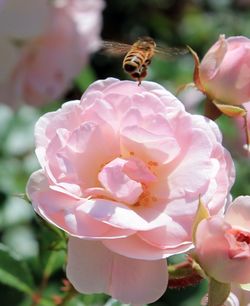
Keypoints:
pixel 139 81
pixel 143 74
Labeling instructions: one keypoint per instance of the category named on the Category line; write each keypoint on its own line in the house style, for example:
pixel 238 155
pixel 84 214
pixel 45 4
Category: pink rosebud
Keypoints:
pixel 122 171
pixel 223 244
pixel 44 45
pixel 225 70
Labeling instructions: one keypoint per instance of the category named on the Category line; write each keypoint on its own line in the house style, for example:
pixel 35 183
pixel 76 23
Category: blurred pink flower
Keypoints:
pixel 238 297
pixel 191 98
pixel 223 244
pixel 124 168
pixel 44 45
pixel 225 70
pixel 241 136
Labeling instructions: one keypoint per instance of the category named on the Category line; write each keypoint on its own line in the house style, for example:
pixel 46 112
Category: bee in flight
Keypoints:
pixel 138 55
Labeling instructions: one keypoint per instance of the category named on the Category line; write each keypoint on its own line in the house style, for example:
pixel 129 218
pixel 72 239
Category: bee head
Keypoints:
pixel 147 41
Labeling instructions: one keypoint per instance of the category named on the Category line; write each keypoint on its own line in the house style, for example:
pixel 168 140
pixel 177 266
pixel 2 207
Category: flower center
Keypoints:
pixel 146 198
pixel 239 242
pixel 240 236
pixel 125 181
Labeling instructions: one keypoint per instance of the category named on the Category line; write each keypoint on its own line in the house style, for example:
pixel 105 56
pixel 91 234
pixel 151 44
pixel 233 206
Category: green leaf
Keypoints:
pixel 13 272
pixel 85 78
pixel 55 261
pixel 53 246
pixel 201 213
pixel 217 292
pixel 54 233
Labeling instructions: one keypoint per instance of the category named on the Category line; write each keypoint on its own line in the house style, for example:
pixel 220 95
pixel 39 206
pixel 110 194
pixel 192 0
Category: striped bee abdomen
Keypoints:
pixel 133 60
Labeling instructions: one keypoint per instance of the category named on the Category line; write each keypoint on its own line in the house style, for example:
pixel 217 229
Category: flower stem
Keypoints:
pixel 70 295
pixel 183 274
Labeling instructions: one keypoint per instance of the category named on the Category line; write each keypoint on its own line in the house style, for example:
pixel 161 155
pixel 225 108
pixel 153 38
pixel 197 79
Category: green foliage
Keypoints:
pixel 85 78
pixel 53 244
pixel 14 272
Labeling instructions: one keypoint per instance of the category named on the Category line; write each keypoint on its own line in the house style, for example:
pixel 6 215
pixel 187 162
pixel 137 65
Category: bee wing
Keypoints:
pixel 165 51
pixel 115 48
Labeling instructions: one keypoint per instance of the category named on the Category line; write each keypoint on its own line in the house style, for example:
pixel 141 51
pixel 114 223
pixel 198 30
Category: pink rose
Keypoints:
pixel 223 244
pixel 39 62
pixel 225 70
pixel 122 171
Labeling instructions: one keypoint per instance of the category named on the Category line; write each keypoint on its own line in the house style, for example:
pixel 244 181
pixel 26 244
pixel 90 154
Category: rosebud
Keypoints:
pixel 223 244
pixel 225 70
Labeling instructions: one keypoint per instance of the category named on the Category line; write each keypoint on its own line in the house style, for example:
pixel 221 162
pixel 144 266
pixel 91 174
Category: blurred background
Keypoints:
pixel 26 243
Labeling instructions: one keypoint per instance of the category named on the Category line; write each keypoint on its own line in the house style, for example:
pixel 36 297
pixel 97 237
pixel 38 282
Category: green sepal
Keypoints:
pixel 211 110
pixel 196 74
pixel 201 213
pixel 184 274
pixel 245 287
pixel 234 111
pixel 217 292
pixel 22 196
pixel 230 110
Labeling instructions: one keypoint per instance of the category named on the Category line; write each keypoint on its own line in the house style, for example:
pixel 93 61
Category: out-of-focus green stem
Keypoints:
pixel 183 274
pixel 70 295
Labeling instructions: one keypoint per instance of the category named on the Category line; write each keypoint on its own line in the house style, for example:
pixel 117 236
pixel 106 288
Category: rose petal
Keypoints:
pixel 46 127
pixel 238 213
pixel 60 208
pixel 121 186
pixel 173 235
pixel 211 62
pixel 202 169
pixel 137 170
pixel 80 161
pixel 134 247
pixel 147 145
pixel 128 280
pixel 115 214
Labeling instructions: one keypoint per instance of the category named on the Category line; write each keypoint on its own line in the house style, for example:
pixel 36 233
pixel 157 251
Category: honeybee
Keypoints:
pixel 139 55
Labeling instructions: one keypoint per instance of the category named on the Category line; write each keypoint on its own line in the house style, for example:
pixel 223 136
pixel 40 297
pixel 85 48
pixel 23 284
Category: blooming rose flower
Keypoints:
pixel 44 45
pixel 225 70
pixel 122 171
pixel 223 244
